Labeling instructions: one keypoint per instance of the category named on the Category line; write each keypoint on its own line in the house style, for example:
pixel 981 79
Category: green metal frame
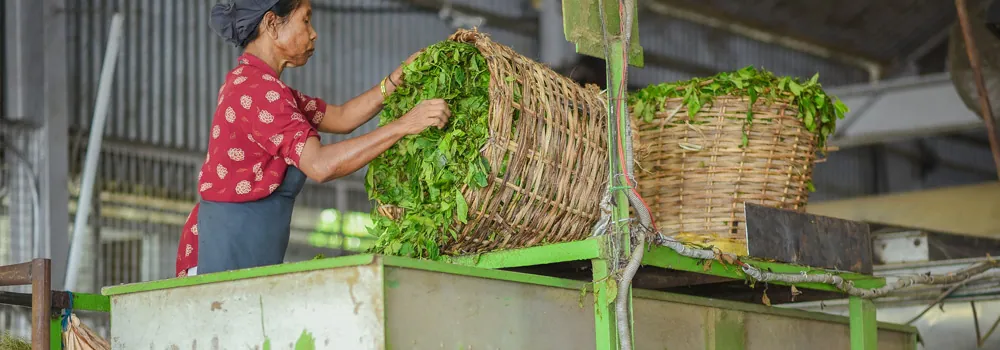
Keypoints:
pixel 583 26
pixel 724 333
pixel 81 301
pixel 862 317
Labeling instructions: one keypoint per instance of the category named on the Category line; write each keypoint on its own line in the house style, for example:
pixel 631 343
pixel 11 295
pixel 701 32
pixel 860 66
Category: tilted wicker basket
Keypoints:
pixel 695 173
pixel 557 165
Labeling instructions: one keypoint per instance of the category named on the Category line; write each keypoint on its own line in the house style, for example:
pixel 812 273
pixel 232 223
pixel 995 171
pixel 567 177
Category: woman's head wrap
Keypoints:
pixel 237 20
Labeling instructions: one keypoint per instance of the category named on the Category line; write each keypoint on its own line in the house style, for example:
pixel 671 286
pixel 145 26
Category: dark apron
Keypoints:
pixel 250 234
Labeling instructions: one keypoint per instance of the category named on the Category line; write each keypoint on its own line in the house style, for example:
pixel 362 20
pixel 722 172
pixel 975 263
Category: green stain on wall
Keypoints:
pixel 305 342
pixel 267 343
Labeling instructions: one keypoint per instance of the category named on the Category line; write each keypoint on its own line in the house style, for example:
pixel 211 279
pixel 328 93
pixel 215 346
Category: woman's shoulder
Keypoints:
pixel 245 77
pixel 248 86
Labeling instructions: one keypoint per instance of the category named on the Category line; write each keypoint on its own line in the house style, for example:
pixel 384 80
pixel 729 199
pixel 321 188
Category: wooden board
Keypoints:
pixel 810 240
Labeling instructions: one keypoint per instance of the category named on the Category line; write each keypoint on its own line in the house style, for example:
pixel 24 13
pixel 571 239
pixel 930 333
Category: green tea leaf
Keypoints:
pixel 480 179
pixel 462 207
pixel 423 174
pixel 817 111
pixel 795 88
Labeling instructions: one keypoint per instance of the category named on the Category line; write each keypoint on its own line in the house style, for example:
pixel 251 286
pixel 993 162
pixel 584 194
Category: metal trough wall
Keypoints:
pixel 367 302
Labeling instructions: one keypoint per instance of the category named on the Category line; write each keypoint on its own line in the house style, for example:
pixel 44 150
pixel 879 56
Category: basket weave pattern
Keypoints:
pixel 695 175
pixel 554 143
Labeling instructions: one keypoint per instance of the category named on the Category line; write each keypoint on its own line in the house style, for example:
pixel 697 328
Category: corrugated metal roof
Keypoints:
pixel 171 64
pixel 880 29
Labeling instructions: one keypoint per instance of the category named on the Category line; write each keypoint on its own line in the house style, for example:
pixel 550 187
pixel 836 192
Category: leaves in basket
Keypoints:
pixel 424 174
pixel 818 111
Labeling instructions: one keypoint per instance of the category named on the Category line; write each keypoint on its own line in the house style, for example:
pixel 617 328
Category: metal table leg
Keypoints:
pixel 36 273
pixel 604 307
pixel 864 326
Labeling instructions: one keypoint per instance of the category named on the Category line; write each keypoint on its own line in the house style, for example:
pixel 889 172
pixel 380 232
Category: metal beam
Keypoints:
pixel 905 108
pixel 936 40
pixel 967 210
pixel 36 91
pixel 553 49
pixel 523 26
pixel 529 27
pixel 708 17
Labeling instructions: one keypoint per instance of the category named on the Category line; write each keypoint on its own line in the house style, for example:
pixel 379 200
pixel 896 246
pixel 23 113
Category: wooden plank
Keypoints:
pixel 809 240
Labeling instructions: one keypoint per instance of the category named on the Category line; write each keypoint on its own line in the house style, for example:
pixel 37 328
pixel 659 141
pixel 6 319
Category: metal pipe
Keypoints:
pixel 93 151
pixel 984 99
pixel 553 49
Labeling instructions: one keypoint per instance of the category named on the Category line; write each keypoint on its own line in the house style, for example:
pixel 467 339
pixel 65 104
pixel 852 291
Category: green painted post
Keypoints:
pixel 55 333
pixel 582 25
pixel 620 214
pixel 864 326
pixel 604 308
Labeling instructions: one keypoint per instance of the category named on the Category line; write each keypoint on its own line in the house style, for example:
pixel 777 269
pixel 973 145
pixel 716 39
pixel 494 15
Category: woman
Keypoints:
pixel 265 141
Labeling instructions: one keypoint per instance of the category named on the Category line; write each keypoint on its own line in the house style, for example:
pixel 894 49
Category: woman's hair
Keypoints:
pixel 237 20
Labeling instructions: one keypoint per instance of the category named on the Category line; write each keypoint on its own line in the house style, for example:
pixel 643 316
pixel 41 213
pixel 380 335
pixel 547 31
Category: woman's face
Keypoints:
pixel 295 39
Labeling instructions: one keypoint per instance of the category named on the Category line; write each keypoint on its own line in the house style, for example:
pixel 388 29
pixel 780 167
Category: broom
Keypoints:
pixel 77 336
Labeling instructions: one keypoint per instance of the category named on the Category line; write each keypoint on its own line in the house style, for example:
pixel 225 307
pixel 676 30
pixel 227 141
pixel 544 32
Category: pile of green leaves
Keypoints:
pixel 818 112
pixel 10 342
pixel 424 174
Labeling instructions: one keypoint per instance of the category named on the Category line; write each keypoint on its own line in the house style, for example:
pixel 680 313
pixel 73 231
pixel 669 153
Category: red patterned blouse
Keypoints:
pixel 259 129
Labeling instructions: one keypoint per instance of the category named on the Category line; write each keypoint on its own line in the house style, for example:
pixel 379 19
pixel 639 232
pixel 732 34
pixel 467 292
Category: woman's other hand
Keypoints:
pixel 426 114
pixel 397 75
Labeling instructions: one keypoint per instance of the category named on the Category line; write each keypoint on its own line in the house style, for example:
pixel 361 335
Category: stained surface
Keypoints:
pixel 328 309
pixel 809 240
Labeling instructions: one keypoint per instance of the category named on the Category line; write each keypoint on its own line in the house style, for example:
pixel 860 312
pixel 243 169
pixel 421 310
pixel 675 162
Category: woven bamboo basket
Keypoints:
pixel 557 161
pixel 696 176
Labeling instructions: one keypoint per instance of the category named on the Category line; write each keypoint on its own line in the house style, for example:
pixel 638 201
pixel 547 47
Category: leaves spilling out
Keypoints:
pixel 818 112
pixel 423 174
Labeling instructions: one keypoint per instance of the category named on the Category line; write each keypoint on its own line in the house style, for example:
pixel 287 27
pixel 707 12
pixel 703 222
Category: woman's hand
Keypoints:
pixel 426 114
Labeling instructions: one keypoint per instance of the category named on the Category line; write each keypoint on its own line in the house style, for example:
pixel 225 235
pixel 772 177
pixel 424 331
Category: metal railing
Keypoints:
pixel 36 273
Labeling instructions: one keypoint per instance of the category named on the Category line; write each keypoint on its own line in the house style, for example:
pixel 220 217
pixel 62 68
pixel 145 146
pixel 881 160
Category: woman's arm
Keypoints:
pixel 323 163
pixel 346 118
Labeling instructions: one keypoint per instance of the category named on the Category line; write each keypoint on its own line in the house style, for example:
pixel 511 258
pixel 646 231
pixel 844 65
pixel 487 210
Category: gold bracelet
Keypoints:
pixel 382 85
